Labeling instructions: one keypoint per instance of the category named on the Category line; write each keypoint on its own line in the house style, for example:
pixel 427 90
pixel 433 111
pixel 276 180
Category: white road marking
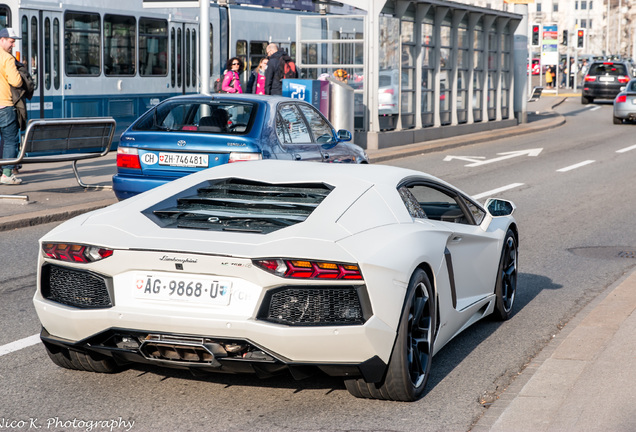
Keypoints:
pixel 597 107
pixel 626 149
pixel 481 160
pixel 496 191
pixel 575 166
pixel 19 344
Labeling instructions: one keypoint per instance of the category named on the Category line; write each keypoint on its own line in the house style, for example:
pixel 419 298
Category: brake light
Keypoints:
pixel 589 78
pixel 306 269
pixel 75 253
pixel 128 157
pixel 243 157
pixel 623 79
pixel 621 99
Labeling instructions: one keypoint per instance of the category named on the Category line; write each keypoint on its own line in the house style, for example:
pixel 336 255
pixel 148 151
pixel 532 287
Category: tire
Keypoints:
pixel 410 361
pixel 74 360
pixel 506 285
pixel 617 120
pixel 586 100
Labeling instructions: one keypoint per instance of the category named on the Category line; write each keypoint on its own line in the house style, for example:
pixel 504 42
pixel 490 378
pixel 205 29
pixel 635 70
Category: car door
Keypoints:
pixel 323 135
pixel 472 255
pixel 294 137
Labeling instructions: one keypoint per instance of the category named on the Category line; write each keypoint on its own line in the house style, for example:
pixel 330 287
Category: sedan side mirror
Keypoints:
pixel 344 135
pixel 500 207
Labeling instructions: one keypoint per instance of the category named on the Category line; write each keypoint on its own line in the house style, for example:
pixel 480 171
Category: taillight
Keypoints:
pixel 243 157
pixel 621 99
pixel 128 157
pixel 623 79
pixel 389 91
pixel 75 253
pixel 590 78
pixel 306 269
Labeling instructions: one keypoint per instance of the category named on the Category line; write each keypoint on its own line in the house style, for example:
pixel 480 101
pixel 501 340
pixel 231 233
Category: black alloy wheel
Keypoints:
pixel 410 361
pixel 506 286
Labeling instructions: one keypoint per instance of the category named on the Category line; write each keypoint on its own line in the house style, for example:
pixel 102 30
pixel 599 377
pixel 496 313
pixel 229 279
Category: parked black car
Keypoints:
pixel 604 80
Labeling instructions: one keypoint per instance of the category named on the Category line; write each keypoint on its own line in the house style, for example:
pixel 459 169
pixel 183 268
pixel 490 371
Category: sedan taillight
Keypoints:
pixel 128 157
pixel 76 253
pixel 621 99
pixel 305 269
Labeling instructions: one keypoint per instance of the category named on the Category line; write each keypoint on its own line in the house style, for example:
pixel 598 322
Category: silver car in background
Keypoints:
pixel 625 103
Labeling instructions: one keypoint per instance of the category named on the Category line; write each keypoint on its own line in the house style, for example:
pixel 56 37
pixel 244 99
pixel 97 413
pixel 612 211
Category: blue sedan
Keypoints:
pixel 185 134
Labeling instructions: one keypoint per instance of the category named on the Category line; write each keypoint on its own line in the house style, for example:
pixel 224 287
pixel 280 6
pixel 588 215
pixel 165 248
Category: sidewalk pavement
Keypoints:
pixel 581 381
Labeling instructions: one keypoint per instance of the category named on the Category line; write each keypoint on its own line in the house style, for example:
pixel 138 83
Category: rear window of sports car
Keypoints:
pixel 222 117
pixel 240 205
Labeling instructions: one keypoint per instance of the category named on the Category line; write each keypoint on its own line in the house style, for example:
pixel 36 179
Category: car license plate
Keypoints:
pixel 183 160
pixel 606 79
pixel 204 290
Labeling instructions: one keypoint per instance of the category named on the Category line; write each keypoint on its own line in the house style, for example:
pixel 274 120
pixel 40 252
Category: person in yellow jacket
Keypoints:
pixel 9 130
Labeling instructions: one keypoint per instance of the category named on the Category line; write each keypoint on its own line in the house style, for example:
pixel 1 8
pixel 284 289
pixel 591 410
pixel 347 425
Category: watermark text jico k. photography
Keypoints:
pixel 56 423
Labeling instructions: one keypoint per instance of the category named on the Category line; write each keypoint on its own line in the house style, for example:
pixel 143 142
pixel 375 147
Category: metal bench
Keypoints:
pixel 536 94
pixel 66 140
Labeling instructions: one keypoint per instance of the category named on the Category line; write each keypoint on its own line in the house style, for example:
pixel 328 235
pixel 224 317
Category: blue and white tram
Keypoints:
pixel 119 59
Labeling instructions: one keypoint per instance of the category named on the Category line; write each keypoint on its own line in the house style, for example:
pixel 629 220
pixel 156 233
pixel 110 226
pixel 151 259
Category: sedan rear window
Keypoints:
pixel 227 117
pixel 608 69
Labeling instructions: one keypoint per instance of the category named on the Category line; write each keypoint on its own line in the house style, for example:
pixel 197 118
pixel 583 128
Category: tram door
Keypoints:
pixel 183 57
pixel 40 50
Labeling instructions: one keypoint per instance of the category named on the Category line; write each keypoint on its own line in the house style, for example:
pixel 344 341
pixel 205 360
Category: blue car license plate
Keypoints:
pixel 183 160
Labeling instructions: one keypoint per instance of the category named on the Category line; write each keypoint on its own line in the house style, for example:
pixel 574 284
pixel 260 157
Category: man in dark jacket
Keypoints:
pixel 273 77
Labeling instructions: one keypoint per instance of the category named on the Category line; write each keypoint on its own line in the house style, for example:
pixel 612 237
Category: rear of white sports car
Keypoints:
pixel 260 267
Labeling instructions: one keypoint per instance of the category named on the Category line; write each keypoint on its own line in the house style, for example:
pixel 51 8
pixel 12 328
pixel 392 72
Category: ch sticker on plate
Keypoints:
pixel 149 158
pixel 198 290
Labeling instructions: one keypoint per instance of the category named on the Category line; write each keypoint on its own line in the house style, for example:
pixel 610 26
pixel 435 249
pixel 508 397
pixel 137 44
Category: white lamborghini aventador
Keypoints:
pixel 359 271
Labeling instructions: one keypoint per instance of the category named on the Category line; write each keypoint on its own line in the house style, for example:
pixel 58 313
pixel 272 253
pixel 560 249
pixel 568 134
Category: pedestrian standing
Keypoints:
pixel 273 78
pixel 256 83
pixel 9 130
pixel 548 77
pixel 232 77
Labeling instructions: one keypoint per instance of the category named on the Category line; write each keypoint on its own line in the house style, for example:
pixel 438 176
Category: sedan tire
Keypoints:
pixel 618 120
pixel 410 361
pixel 586 100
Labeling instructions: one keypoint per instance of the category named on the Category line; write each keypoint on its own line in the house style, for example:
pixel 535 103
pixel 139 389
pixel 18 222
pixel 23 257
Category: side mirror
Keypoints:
pixel 500 207
pixel 344 135
pixel 623 88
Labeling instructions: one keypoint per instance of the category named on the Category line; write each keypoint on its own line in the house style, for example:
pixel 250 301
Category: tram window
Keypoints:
pixel 34 51
pixel 179 55
pixel 153 47
pixel 119 45
pixel 258 50
pixel 188 57
pixel 193 65
pixel 5 16
pixel 82 43
pixel 56 53
pixel 24 55
pixel 241 52
pixel 47 53
pixel 173 47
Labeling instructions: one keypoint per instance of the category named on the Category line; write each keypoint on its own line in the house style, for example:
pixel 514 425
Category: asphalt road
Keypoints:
pixel 575 218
